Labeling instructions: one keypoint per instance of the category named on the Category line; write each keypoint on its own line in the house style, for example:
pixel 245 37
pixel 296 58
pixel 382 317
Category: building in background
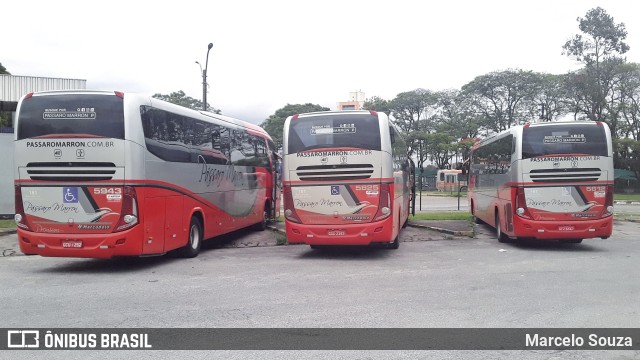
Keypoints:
pixel 12 88
pixel 356 101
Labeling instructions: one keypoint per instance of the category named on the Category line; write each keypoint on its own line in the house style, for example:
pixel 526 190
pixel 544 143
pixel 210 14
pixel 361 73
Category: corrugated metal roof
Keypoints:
pixel 13 87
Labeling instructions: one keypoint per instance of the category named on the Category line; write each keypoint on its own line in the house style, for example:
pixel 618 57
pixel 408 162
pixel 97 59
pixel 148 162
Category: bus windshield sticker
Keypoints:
pixel 564 138
pixel 87 113
pixel 328 130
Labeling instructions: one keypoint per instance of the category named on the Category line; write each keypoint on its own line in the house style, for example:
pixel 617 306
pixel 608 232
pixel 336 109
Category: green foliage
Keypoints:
pixel 627 155
pixel 7 224
pixel 377 103
pixel 599 48
pixel 180 98
pixel 503 98
pixel 438 147
pixel 274 124
pixel 5 119
pixel 602 38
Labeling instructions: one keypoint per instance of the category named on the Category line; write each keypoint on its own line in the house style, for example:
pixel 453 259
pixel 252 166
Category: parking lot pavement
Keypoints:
pixel 275 236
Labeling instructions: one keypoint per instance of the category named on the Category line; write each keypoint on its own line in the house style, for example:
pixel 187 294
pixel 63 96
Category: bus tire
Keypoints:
pixel 571 241
pixel 499 234
pixel 262 225
pixel 395 244
pixel 194 244
pixel 476 220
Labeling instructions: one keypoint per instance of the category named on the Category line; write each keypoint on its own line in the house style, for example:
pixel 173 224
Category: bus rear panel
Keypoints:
pixel 340 186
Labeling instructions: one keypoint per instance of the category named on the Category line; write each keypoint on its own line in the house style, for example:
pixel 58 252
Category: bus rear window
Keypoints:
pixel 71 114
pixel 578 139
pixel 331 131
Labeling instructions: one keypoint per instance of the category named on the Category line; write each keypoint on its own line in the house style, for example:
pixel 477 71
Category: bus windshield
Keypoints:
pixel 356 131
pixel 564 139
pixel 90 115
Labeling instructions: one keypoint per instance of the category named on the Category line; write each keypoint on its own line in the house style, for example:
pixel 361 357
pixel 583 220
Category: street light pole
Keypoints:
pixel 204 79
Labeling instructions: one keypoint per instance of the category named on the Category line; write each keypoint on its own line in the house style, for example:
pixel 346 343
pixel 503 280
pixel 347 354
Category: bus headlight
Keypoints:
pixel 385 210
pixel 609 209
pixel 288 212
pixel 18 218
pixel 520 211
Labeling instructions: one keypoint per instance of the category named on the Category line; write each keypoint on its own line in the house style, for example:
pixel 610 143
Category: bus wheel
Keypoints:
pixel 266 213
pixel 476 220
pixel 395 244
pixel 192 249
pixel 501 237
pixel 571 241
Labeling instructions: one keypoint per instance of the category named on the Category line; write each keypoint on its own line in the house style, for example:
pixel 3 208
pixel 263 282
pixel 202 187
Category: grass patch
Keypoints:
pixel 626 216
pixel 7 224
pixel 626 197
pixel 442 215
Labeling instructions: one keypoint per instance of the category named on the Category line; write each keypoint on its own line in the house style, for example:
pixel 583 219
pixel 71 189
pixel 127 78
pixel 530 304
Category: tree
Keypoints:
pixel 628 87
pixel 503 97
pixel 413 111
pixel 180 98
pixel 439 147
pixel 377 103
pixel 628 155
pixel 599 48
pixel 274 124
pixel 457 116
pixel 549 101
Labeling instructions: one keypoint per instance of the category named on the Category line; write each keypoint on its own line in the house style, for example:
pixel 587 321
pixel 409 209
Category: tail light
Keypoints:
pixel 521 204
pixel 384 205
pixel 289 210
pixel 20 218
pixel 608 203
pixel 129 212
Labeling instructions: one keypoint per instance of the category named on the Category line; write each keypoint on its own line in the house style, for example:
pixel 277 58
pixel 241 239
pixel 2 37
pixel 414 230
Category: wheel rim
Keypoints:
pixel 194 236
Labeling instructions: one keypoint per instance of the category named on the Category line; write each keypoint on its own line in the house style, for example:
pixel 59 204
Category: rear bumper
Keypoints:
pixel 354 234
pixel 125 243
pixel 548 230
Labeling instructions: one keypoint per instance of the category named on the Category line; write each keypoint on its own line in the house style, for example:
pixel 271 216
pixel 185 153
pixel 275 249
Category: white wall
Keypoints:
pixel 7 204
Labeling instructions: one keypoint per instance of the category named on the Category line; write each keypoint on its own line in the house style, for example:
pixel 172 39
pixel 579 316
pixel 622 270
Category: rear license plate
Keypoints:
pixel 336 233
pixel 566 228
pixel 72 244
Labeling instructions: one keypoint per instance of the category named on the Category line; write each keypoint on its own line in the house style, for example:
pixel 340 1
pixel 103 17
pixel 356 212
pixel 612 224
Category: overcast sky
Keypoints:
pixel 267 54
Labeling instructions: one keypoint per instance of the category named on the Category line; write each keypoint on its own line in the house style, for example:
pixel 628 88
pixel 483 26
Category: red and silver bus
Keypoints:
pixel 101 174
pixel 346 179
pixel 545 181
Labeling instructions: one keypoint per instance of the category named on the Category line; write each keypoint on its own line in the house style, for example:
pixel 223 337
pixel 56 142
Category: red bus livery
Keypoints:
pixel 102 174
pixel 345 180
pixel 545 181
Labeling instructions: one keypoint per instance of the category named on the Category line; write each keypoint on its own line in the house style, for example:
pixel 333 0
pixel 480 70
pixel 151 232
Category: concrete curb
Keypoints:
pixel 468 233
pixel 7 231
pixel 620 202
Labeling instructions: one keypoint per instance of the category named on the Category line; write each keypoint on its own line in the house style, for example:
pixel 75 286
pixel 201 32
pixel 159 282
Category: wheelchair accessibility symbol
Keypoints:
pixel 70 195
pixel 335 190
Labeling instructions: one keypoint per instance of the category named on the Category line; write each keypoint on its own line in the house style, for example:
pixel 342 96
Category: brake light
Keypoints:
pixel 373 113
pixel 384 205
pixel 289 210
pixel 521 204
pixel 19 217
pixel 129 212
pixel 608 203
pixel 119 94
pixel 28 96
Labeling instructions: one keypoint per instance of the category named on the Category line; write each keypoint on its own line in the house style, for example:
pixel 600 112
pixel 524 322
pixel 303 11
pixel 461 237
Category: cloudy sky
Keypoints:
pixel 267 54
